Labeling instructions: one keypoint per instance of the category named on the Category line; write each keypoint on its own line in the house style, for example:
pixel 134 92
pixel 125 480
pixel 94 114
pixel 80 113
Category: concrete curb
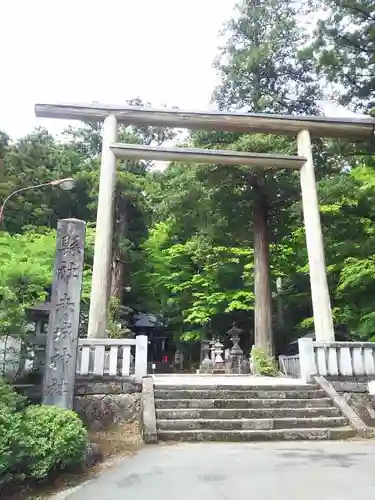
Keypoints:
pixel 148 413
pixel 356 422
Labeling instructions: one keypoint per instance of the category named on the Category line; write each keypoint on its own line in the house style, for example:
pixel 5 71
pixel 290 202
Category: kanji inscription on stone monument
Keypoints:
pixel 62 340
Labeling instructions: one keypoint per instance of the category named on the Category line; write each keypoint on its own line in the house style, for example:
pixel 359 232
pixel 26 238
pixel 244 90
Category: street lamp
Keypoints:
pixel 65 184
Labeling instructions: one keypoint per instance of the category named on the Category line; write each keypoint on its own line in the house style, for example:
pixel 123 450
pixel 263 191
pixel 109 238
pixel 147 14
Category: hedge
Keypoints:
pixel 37 441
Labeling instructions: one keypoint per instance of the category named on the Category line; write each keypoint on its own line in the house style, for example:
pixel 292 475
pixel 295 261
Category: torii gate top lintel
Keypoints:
pixel 318 126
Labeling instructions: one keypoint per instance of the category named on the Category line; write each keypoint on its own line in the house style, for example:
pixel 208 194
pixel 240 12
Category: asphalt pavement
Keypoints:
pixel 232 471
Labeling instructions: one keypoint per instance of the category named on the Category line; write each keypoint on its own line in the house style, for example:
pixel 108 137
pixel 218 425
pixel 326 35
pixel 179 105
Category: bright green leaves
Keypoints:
pixel 201 280
pixel 26 272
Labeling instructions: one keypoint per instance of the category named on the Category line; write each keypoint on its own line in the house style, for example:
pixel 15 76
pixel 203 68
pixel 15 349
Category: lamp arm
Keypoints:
pixel 21 190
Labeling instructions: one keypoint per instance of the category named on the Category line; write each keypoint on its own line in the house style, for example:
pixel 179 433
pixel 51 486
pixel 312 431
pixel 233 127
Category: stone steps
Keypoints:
pixel 258 435
pixel 247 413
pixel 247 424
pixel 242 403
pixel 201 413
pixel 237 394
pixel 232 387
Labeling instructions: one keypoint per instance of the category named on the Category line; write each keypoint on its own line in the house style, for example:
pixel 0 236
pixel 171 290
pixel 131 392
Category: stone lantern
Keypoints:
pixel 207 362
pixel 236 352
pixel 218 357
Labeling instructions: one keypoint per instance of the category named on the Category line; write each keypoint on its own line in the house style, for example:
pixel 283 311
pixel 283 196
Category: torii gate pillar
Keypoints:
pixel 101 274
pixel 314 239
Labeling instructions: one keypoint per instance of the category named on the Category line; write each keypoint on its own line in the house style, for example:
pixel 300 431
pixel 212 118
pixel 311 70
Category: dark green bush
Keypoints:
pixel 53 439
pixel 11 454
pixel 262 363
pixel 9 398
pixel 36 441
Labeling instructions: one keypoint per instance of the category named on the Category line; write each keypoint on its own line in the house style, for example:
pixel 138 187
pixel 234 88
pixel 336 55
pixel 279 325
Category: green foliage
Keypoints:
pixel 26 263
pixel 36 441
pixel 197 283
pixel 262 363
pixel 348 214
pixel 344 49
pixel 39 158
pixel 259 65
pixel 10 399
pixel 26 266
pixel 53 439
pixel 10 445
pixel 115 319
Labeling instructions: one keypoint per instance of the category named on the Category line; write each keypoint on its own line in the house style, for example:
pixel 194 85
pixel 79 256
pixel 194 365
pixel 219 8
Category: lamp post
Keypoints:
pixel 64 184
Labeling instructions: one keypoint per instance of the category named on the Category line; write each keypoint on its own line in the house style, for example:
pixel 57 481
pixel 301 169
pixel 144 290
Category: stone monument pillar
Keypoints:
pixel 62 340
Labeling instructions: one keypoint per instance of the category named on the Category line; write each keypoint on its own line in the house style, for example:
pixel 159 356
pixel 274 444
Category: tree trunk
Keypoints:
pixel 118 269
pixel 280 305
pixel 263 302
pixel 117 278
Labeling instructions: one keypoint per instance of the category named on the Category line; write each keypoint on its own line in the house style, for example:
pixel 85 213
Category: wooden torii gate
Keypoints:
pixel 302 127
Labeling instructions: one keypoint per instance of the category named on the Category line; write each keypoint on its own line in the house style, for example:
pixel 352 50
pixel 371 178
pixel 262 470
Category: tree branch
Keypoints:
pixel 355 45
pixel 358 9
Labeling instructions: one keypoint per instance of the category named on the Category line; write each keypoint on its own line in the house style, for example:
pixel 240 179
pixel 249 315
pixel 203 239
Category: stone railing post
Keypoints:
pixel 307 359
pixel 141 357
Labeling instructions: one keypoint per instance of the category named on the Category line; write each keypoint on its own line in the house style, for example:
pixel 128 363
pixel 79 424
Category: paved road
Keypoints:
pixel 225 471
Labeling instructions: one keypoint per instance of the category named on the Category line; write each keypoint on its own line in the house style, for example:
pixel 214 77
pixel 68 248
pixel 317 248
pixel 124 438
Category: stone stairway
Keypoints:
pixel 250 413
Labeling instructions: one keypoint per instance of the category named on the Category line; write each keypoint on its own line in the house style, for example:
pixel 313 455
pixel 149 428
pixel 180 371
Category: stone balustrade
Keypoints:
pixel 289 365
pixel 113 357
pixel 336 359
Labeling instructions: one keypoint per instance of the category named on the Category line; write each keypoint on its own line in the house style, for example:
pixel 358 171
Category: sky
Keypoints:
pixel 107 51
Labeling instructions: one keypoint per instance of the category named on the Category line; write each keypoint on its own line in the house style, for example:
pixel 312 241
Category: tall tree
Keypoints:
pixel 344 49
pixel 261 71
pixel 260 66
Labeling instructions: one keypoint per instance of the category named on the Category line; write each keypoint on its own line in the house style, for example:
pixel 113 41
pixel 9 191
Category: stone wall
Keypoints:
pixel 357 384
pixel 102 402
pixel 355 392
